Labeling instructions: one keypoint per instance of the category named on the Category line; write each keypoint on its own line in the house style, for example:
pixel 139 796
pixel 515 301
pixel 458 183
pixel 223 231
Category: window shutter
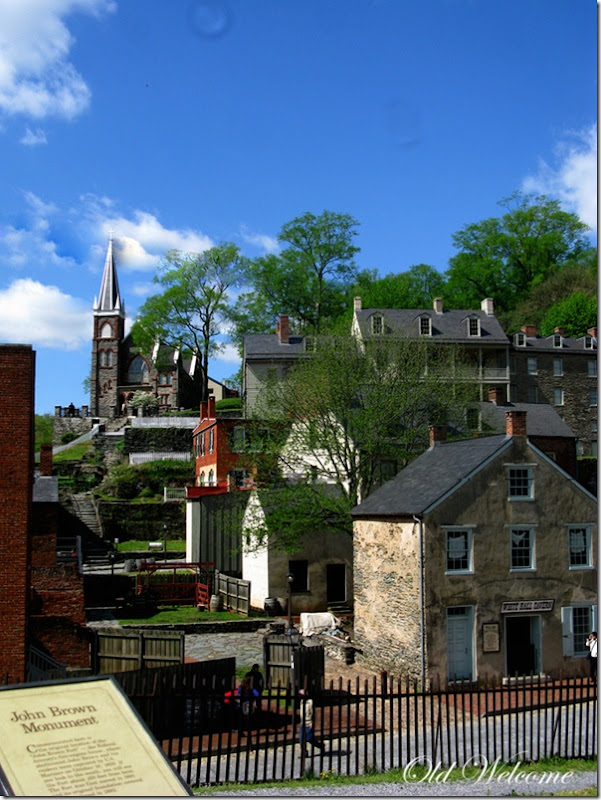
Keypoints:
pixel 566 630
pixel 594 617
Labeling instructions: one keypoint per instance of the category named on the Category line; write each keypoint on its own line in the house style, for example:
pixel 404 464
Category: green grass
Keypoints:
pixel 420 774
pixel 75 453
pixel 176 545
pixel 181 614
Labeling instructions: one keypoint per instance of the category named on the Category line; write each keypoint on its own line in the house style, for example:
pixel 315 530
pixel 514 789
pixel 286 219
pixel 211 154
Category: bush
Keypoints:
pixel 228 404
pixel 68 436
pixel 127 482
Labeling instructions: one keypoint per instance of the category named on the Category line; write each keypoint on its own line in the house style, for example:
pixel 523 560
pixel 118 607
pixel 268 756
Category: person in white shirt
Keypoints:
pixel 591 643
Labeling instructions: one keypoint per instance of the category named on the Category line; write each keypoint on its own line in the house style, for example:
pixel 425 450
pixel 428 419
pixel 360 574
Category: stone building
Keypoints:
pixel 562 372
pixel 478 559
pixel 119 368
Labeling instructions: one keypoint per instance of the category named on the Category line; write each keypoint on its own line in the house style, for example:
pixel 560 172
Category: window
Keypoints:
pixel 558 396
pixel 425 326
pixel 580 546
pixel 201 443
pixel 592 369
pixel 211 478
pixel 201 479
pixel 459 547
pixel 558 367
pixel 473 326
pixel 520 483
pixel 533 394
pixel 513 393
pixel 138 371
pixel 522 548
pixel 377 324
pixel 239 478
pixel 106 332
pixel 532 365
pixel 300 575
pixel 211 439
pixel 593 426
pixel 164 399
pixel 594 449
pixel 165 379
pixel 557 340
pixel 238 439
pixel 592 397
pixel 520 339
pixel 512 365
pixel 588 342
pixel 577 622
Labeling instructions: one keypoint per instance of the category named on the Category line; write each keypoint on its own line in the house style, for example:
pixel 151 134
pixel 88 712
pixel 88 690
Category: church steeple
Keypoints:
pixel 110 298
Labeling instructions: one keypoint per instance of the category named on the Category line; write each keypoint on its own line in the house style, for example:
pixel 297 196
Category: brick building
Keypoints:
pixel 17 368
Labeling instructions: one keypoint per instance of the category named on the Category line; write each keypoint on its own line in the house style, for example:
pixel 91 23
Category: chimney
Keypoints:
pixel 357 304
pixel 560 331
pixel 283 329
pixel 203 410
pixel 438 434
pixel 592 332
pixel 46 460
pixel 488 306
pixel 211 408
pixel 529 330
pixel 496 395
pixel 516 423
pixel 438 305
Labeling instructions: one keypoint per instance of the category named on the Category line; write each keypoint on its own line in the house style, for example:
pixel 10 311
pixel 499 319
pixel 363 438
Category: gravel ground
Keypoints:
pixel 492 787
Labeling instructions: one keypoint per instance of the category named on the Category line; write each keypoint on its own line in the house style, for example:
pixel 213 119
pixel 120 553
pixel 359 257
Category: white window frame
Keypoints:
pixel 558 367
pixel 532 365
pixel 468 531
pixel 531 567
pixel 425 319
pixel 567 628
pixel 558 398
pixel 557 340
pixel 520 339
pixel 586 528
pixel 377 324
pixel 592 368
pixel 528 468
pixel 211 439
pixel 588 342
pixel 470 323
pixel 211 478
pixel 532 394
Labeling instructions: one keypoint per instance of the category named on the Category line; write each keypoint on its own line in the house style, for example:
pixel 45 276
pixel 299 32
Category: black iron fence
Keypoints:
pixel 213 737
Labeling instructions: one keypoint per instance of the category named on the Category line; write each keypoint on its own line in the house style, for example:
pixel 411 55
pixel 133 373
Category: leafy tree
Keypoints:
pixel 504 257
pixel 306 280
pixel 574 314
pixel 415 288
pixel 144 400
pixel 338 416
pixel 192 304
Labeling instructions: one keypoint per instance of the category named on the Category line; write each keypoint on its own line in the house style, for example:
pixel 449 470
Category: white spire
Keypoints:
pixel 109 298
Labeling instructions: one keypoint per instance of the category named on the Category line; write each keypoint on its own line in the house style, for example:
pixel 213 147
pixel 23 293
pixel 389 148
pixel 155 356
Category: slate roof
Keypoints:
pixel 268 345
pixel 542 419
pixel 437 471
pixel 450 326
pixel 546 344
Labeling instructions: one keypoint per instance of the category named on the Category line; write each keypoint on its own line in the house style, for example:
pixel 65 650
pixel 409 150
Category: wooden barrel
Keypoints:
pixel 216 602
pixel 272 606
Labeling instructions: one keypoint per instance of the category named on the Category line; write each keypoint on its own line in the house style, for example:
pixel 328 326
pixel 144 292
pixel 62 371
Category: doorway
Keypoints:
pixel 522 645
pixel 335 583
pixel 460 636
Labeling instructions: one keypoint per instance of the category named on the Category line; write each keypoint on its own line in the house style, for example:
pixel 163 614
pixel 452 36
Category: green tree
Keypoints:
pixel 338 416
pixel 44 430
pixel 306 280
pixel 415 288
pixel 505 257
pixel 192 305
pixel 574 314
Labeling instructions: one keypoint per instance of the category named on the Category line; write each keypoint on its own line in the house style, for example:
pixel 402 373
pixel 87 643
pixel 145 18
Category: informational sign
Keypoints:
pixel 490 637
pixel 76 738
pixel 526 605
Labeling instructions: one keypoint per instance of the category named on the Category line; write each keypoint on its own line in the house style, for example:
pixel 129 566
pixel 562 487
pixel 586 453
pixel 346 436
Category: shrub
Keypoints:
pixel 68 436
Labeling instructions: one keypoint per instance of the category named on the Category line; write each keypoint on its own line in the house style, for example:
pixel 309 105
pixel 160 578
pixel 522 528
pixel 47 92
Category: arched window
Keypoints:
pixel 211 439
pixel 106 331
pixel 211 478
pixel 138 371
pixel 165 379
pixel 201 479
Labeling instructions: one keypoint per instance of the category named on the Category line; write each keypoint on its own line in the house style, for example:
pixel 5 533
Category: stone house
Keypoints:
pixel 478 559
pixel 562 372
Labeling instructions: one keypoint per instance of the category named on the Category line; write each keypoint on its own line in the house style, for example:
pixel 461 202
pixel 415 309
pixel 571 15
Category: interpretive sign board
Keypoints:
pixel 79 737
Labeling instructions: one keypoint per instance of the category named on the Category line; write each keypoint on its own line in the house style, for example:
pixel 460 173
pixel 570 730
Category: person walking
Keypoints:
pixel 306 733
pixel 591 643
pixel 257 683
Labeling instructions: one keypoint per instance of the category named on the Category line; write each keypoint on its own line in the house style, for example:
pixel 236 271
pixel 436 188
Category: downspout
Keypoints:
pixel 422 622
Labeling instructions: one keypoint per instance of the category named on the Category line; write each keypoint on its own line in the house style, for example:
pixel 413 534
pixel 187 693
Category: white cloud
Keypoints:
pixel 32 138
pixel 229 354
pixel 573 179
pixel 43 316
pixel 36 77
pixel 269 244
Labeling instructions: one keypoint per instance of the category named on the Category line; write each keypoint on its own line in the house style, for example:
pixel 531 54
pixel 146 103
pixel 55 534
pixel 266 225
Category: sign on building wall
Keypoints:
pixel 526 605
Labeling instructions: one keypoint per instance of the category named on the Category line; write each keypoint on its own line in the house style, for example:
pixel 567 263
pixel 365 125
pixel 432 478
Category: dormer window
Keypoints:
pixel 377 324
pixel 520 339
pixel 425 326
pixel 473 326
pixel 557 340
pixel 588 342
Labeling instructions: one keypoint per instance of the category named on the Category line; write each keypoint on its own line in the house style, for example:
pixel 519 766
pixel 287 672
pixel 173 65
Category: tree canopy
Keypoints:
pixel 188 312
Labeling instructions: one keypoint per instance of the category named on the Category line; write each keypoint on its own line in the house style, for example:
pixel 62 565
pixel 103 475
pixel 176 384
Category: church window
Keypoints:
pixel 106 332
pixel 138 371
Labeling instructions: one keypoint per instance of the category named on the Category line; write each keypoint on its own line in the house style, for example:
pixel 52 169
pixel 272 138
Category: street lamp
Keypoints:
pixel 292 632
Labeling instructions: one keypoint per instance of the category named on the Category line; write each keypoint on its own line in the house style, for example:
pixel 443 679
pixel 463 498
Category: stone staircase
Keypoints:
pixel 95 550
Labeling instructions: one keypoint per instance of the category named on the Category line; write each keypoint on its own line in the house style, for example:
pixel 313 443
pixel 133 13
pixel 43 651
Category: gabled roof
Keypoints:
pixel 450 326
pixel 109 299
pixel 547 344
pixel 268 345
pixel 542 419
pixel 436 472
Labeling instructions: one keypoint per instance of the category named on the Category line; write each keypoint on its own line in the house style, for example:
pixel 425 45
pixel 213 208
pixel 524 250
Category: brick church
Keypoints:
pixel 119 368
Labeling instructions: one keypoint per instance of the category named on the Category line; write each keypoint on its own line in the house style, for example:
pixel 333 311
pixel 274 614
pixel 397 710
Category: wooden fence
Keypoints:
pixel 121 651
pixel 235 592
pixel 366 728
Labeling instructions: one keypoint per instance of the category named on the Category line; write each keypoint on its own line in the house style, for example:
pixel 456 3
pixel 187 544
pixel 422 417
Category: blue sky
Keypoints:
pixel 183 123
